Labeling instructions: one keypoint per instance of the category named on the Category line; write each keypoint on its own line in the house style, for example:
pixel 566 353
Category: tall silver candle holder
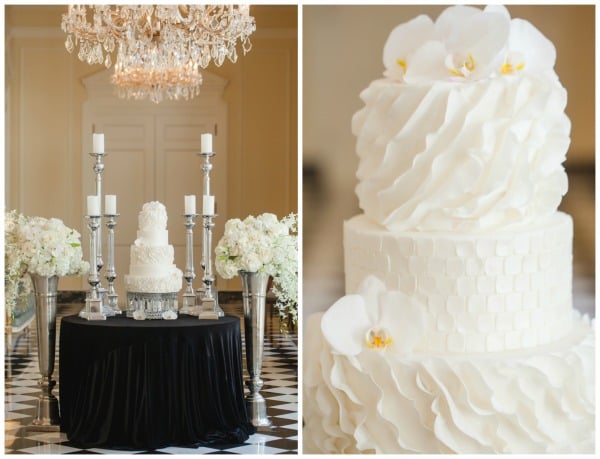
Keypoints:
pixel 98 168
pixel 209 302
pixel 93 302
pixel 111 273
pixel 189 296
pixel 209 297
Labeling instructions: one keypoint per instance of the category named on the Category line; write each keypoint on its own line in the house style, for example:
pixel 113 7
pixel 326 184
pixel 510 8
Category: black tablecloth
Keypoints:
pixel 148 384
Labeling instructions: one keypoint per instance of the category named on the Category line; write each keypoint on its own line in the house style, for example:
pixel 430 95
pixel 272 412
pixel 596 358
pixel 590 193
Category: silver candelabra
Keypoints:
pixel 189 297
pixel 209 297
pixel 98 168
pixel 209 301
pixel 93 302
pixel 111 273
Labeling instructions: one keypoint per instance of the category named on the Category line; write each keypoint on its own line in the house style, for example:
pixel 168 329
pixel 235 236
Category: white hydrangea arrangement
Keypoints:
pixel 41 246
pixel 263 244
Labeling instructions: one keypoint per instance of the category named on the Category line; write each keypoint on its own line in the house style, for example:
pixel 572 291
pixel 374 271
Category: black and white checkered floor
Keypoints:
pixel 280 374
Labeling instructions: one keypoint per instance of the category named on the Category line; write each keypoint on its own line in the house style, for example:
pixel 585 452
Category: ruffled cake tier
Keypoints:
pixel 539 400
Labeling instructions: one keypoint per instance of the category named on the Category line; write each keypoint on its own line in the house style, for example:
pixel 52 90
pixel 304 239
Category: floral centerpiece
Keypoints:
pixel 263 244
pixel 40 246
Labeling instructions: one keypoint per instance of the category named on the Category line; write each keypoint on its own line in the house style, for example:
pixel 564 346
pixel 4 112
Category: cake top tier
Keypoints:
pixel 468 130
pixel 467 44
pixel 153 216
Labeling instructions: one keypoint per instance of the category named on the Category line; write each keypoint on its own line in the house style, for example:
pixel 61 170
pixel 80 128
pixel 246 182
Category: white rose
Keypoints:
pixel 250 262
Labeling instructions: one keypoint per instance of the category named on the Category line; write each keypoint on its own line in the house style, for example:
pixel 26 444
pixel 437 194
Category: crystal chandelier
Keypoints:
pixel 159 48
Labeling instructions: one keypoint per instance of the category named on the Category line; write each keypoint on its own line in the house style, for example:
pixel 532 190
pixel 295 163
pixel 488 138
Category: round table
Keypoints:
pixel 148 384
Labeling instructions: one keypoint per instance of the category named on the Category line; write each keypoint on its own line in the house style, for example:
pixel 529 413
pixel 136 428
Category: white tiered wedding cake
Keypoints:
pixel 457 333
pixel 151 268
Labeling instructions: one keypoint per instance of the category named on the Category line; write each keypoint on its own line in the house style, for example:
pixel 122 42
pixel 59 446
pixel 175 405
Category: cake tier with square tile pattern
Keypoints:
pixel 491 292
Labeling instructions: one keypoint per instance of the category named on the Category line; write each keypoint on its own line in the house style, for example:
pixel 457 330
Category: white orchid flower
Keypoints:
pixel 402 44
pixel 529 51
pixel 373 320
pixel 474 40
pixel 466 44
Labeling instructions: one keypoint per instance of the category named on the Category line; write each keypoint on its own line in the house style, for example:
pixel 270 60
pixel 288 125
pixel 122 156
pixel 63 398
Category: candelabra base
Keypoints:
pixel 214 297
pixel 109 312
pixel 208 309
pixel 113 304
pixel 190 310
pixel 93 310
pixel 189 306
pixel 92 315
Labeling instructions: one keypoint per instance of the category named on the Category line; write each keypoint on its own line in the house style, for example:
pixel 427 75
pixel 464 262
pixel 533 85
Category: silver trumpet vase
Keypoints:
pixel 254 294
pixel 47 418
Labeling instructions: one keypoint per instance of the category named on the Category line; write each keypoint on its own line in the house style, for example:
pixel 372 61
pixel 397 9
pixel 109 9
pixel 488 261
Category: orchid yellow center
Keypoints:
pixel 508 68
pixel 402 64
pixel 466 68
pixel 378 338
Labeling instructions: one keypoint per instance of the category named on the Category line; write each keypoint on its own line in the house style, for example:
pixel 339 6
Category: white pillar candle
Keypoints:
pixel 208 205
pixel 206 143
pixel 93 205
pixel 190 204
pixel 110 204
pixel 98 141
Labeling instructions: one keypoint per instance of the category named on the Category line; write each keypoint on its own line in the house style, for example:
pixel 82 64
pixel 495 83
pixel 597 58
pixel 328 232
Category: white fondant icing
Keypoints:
pixel 151 268
pixel 153 256
pixel 152 217
pixel 478 292
pixel 167 283
pixel 152 238
pixel 538 400
pixel 462 157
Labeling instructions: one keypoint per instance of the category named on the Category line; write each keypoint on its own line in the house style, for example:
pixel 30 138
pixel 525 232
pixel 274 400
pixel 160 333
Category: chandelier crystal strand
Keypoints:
pixel 159 49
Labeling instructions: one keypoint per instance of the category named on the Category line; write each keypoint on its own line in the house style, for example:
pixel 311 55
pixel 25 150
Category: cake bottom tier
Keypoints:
pixel 539 400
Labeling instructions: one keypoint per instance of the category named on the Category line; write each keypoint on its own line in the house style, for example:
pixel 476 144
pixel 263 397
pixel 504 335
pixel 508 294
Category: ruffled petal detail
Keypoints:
pixel 536 401
pixel 455 157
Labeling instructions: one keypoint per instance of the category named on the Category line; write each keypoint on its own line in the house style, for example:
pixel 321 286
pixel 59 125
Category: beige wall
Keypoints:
pixel 342 54
pixel 44 97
